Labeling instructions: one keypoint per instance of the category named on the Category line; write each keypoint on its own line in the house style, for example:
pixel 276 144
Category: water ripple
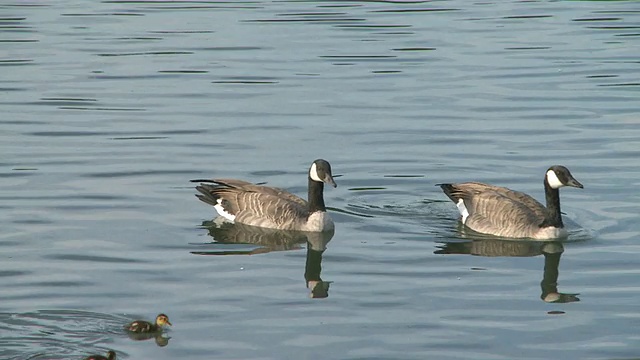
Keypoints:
pixel 57 334
pixel 110 107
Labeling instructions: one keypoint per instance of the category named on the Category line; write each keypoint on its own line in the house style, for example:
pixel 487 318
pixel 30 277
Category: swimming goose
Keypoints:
pixel 500 211
pixel 263 206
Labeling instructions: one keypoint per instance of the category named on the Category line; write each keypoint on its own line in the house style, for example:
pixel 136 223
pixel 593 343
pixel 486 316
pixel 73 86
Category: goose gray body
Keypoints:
pixel 503 212
pixel 263 206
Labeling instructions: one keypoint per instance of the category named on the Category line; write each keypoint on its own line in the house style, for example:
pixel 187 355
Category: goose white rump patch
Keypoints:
pixel 463 210
pixel 553 180
pixel 222 212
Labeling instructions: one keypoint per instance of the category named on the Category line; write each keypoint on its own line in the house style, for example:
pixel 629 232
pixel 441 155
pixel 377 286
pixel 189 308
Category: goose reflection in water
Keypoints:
pixel 267 240
pixel 489 247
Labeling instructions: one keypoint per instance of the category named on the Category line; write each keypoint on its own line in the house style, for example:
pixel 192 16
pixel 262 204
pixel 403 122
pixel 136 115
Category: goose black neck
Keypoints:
pixel 553 216
pixel 316 200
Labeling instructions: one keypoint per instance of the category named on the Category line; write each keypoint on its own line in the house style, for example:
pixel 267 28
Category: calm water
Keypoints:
pixel 108 108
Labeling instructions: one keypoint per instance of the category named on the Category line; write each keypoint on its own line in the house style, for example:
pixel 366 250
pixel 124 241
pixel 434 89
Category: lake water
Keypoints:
pixel 109 108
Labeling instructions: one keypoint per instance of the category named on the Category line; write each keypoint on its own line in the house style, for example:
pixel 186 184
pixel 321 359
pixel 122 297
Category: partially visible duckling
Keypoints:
pixel 141 326
pixel 111 355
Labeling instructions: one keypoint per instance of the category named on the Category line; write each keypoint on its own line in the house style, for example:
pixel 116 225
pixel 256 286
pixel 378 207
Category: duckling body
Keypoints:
pixel 111 355
pixel 141 326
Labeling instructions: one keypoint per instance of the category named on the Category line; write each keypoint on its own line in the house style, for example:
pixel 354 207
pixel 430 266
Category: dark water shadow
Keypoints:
pixel 493 247
pixel 240 239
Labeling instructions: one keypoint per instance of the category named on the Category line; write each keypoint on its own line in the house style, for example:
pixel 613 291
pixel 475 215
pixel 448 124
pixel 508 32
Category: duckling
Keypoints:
pixel 141 326
pixel 111 355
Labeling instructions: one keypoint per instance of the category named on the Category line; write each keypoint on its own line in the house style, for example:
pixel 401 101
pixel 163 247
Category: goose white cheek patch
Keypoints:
pixel 222 212
pixel 313 173
pixel 553 180
pixel 463 210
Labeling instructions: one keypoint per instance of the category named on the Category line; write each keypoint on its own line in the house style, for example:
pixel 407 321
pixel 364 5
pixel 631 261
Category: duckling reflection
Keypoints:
pixel 268 240
pixel 161 339
pixel 552 252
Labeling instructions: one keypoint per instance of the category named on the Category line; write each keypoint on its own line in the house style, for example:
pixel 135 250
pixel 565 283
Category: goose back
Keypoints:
pixel 249 187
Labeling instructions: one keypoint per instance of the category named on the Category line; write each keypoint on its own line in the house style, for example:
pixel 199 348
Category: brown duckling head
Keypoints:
pixel 162 320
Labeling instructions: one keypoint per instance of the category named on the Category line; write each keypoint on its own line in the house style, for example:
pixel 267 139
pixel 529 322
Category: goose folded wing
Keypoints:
pixel 265 209
pixel 496 213
pixel 478 189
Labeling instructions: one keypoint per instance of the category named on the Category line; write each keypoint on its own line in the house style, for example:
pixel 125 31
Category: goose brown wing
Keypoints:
pixel 469 190
pixel 503 213
pixel 267 210
pixel 257 205
pixel 532 204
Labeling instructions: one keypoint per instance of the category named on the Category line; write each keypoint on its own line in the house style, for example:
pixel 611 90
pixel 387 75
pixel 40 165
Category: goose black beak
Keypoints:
pixel 329 180
pixel 574 183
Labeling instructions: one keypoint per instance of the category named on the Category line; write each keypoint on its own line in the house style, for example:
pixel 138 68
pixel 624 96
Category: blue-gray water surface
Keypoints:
pixel 109 108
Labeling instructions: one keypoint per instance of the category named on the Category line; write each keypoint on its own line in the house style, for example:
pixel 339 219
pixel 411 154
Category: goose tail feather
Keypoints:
pixel 208 194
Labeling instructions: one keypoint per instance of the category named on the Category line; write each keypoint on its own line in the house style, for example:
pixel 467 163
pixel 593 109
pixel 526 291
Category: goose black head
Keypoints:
pixel 558 176
pixel 320 171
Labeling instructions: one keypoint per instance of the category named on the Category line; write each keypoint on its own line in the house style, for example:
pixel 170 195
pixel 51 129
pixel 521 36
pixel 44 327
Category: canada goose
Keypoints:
pixel 500 211
pixel 263 206
pixel 111 355
pixel 141 326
